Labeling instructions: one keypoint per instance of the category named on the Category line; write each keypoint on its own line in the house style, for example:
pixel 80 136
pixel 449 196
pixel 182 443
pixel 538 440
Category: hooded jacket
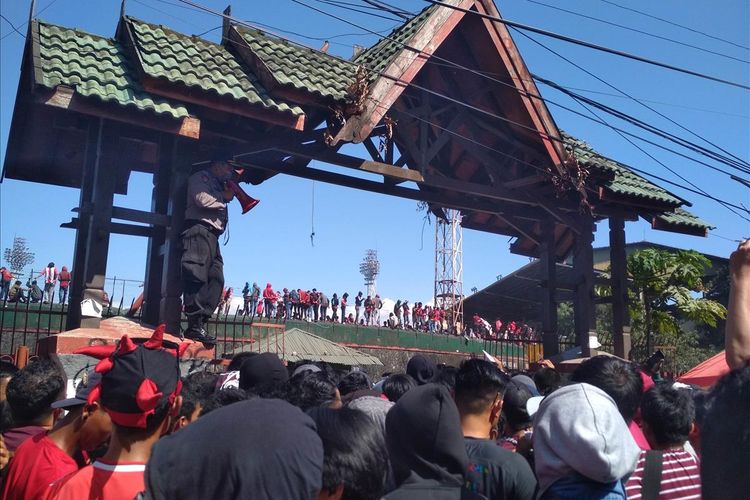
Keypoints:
pixel 578 431
pixel 271 452
pixel 426 446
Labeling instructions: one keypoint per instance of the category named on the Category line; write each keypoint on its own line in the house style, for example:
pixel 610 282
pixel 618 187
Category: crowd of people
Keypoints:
pixel 317 306
pixel 12 289
pixel 265 430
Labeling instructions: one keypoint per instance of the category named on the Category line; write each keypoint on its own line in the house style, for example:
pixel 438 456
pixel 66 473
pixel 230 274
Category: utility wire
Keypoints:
pixel 469 139
pixel 594 46
pixel 358 8
pixel 663 134
pixel 396 11
pixel 26 22
pixel 672 23
pixel 635 30
pixel 12 26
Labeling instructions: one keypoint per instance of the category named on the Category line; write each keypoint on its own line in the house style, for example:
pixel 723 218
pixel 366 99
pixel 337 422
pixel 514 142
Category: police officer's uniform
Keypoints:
pixel 206 219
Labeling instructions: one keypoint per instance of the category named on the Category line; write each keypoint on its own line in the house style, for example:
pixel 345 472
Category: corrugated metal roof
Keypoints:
pixel 95 67
pixel 195 62
pixel 300 345
pixel 300 67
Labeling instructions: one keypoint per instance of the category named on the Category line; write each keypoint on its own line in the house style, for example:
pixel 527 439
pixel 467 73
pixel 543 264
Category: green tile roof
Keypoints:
pixel 95 67
pixel 198 63
pixel 299 67
pixel 682 217
pixel 625 181
pixel 379 56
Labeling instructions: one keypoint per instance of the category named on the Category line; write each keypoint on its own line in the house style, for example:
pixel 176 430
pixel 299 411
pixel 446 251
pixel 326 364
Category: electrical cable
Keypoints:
pixel 707 35
pixel 593 46
pixel 635 30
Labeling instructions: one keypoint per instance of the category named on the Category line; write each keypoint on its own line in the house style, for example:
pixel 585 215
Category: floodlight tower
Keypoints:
pixel 370 268
pixel 449 266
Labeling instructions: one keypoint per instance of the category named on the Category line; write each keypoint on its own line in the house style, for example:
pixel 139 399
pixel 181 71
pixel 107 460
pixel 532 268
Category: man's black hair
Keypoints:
pixel 354 381
pixel 478 383
pixel 700 401
pixel 355 453
pixel 725 438
pixel 445 375
pixel 203 384
pixel 238 359
pixel 223 398
pixel 309 390
pixel 190 400
pixel 669 413
pixel 619 379
pixel 397 385
pixel 547 380
pixel 7 369
pixel 32 390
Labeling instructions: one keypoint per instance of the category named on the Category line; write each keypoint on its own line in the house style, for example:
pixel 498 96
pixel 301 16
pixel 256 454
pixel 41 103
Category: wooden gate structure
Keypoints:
pixel 444 106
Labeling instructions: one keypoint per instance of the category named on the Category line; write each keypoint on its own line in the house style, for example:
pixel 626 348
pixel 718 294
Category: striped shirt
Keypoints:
pixel 680 477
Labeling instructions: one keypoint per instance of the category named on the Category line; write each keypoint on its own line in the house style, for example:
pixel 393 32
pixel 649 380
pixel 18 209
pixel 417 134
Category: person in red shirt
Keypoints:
pixel 269 300
pixel 140 390
pixel 47 457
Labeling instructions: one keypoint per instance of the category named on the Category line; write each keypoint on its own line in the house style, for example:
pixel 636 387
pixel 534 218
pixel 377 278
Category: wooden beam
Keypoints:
pixel 583 266
pixel 549 279
pixel 395 78
pixel 132 215
pixel 661 225
pixel 619 283
pixel 66 98
pixel 526 181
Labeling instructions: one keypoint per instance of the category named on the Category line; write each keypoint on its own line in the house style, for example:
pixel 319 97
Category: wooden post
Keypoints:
pixel 619 280
pixel 170 310
pixel 550 339
pixel 91 158
pixel 155 259
pixel 583 265
pixel 97 244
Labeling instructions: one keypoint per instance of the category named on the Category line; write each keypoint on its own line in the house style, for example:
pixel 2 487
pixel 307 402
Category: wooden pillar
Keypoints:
pixel 583 265
pixel 618 266
pixel 97 243
pixel 155 259
pixel 170 310
pixel 91 158
pixel 550 339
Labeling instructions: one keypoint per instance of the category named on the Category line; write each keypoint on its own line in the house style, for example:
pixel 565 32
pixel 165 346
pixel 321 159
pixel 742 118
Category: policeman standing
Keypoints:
pixel 206 219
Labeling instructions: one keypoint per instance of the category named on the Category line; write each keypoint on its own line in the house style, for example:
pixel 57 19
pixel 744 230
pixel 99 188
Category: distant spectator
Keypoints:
pixel 355 463
pixel 354 381
pixel 64 277
pixel 35 293
pixel 426 447
pixel 725 438
pixel 492 471
pixel 50 276
pixel 547 380
pixel 30 394
pixel 15 294
pixel 582 446
pixel 398 384
pixel 668 416
pixel 421 368
pixel 47 457
pixel 263 449
pixel 6 278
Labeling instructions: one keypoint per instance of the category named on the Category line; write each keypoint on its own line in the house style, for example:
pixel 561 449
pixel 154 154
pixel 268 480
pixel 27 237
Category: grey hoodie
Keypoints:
pixel 578 429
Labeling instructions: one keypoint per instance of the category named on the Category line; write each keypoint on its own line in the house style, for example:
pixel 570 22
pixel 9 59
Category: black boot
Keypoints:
pixel 195 330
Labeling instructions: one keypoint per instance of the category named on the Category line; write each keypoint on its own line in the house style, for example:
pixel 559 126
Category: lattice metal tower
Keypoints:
pixel 449 266
pixel 370 268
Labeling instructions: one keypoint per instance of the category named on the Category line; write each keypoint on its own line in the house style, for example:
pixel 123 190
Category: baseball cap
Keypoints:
pixel 514 402
pixel 421 368
pixel 263 370
pixel 89 380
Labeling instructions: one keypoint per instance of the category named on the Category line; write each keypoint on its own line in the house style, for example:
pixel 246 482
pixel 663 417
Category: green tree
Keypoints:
pixel 666 305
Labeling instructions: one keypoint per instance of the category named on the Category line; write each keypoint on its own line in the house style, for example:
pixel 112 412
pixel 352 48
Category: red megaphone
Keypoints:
pixel 245 199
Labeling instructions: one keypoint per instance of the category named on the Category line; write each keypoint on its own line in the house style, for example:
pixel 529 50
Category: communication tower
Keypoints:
pixel 449 267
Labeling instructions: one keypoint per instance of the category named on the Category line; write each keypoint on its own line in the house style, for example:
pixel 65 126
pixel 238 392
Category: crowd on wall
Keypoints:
pixel 12 289
pixel 134 428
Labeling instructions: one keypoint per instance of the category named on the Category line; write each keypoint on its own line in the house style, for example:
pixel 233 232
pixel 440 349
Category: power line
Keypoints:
pixel 590 45
pixel 12 26
pixel 358 8
pixel 454 133
pixel 52 2
pixel 708 35
pixel 642 32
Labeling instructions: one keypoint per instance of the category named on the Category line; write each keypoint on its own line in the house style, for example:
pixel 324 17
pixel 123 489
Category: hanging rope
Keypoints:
pixel 312 217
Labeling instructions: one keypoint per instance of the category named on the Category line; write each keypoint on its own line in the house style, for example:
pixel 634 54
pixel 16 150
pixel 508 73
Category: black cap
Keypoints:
pixel 514 403
pixel 421 368
pixel 263 370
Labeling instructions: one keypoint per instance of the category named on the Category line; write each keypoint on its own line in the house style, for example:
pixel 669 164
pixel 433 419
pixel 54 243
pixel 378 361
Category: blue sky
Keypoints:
pixel 272 243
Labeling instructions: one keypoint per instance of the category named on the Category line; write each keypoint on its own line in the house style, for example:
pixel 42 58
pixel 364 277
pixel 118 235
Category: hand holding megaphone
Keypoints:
pixel 246 201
